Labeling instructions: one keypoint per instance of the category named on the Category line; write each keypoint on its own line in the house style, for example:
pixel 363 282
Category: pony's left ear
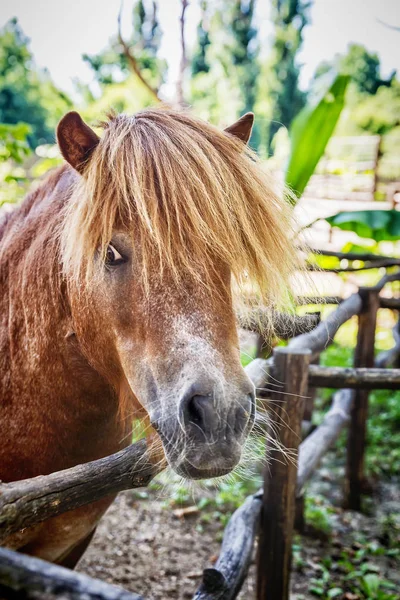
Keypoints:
pixel 242 128
pixel 76 140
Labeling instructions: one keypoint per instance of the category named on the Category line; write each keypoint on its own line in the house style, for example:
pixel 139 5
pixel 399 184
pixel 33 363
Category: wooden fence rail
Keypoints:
pixel 322 336
pixel 20 572
pixel 31 501
pixel 361 377
pixel 272 509
pixel 224 580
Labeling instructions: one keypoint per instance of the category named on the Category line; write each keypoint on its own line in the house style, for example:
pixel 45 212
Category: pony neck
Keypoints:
pixel 62 411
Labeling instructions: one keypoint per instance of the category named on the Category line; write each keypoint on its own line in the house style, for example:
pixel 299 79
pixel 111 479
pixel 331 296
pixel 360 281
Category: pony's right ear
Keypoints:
pixel 242 128
pixel 76 140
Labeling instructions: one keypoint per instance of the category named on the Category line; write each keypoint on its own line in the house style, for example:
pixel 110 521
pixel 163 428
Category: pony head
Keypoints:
pixel 169 220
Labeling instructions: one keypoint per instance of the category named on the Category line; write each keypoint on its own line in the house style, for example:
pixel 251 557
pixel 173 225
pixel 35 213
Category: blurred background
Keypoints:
pixel 322 79
pixel 320 76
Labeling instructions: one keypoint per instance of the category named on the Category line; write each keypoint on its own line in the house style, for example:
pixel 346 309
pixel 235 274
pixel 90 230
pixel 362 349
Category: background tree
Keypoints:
pixel 289 18
pixel 244 49
pixel 180 84
pixel 139 54
pixel 364 68
pixel 224 63
pixel 200 59
pixel 27 94
pixel 373 102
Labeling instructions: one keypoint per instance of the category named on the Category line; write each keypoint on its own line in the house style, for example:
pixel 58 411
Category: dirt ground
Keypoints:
pixel 142 545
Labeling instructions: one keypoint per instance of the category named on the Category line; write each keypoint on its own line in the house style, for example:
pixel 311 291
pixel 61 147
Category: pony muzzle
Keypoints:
pixel 208 439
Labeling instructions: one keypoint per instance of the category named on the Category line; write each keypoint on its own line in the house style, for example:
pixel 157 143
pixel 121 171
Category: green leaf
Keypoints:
pixel 379 225
pixel 310 133
pixel 317 590
pixel 371 584
pixel 13 142
pixel 334 592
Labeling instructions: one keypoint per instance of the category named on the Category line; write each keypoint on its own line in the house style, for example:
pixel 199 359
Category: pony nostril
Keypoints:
pixel 245 414
pixel 198 411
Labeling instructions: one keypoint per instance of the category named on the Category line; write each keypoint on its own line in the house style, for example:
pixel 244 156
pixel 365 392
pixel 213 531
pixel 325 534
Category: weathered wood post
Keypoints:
pixel 396 333
pixel 311 394
pixel 277 517
pixel 363 357
pixel 299 519
pixel 377 157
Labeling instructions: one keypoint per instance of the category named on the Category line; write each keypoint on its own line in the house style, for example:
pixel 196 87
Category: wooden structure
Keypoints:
pixel 348 170
pixel 273 511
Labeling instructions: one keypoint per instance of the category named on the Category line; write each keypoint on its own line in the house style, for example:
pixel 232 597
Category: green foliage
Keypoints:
pixel 383 441
pixel 14 148
pixel 362 66
pixel 49 158
pixel 363 581
pixel 245 359
pixel 244 51
pixel 353 567
pixel 380 113
pixel 199 62
pixel 378 225
pixel 26 93
pixel 289 18
pixel 128 96
pixel 224 65
pixel 13 142
pixel 310 133
pixel 111 66
pixel 317 514
pixel 216 501
pixel 372 105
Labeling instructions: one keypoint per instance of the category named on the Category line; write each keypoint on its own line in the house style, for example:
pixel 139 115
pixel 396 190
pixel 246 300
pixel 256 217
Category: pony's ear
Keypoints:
pixel 76 140
pixel 242 128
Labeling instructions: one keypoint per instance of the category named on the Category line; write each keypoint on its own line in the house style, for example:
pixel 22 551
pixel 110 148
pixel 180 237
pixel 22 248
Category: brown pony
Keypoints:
pixel 118 280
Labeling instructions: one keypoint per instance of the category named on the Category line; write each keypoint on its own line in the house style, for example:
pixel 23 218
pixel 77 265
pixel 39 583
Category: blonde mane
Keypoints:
pixel 190 194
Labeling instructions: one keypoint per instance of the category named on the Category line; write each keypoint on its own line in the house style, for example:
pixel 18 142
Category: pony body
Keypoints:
pixel 117 279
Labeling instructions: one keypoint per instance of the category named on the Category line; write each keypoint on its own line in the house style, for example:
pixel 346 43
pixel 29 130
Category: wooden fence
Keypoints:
pixel 348 170
pixel 274 511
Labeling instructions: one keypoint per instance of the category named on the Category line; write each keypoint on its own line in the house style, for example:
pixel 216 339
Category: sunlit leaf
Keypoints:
pixel 379 225
pixel 310 133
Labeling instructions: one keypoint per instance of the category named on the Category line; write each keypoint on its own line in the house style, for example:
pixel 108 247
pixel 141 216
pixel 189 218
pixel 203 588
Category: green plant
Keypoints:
pixel 383 442
pixel 310 133
pixel 318 513
pixel 14 142
pixel 379 225
pixel 351 575
pixel 14 148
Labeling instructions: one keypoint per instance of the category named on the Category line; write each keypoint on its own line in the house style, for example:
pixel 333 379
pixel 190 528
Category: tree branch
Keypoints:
pixel 133 62
pixel 183 63
pixel 273 323
pixel 394 27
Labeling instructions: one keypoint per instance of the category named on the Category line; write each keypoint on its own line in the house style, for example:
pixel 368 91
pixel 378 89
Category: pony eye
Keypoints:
pixel 113 257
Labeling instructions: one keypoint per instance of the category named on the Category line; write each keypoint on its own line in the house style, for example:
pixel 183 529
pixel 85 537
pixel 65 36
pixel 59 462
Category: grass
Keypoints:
pixel 383 433
pixel 357 573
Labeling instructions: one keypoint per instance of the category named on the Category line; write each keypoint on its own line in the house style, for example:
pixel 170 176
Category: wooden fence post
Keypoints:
pixel 396 330
pixel 363 357
pixel 299 519
pixel 310 400
pixel 278 513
